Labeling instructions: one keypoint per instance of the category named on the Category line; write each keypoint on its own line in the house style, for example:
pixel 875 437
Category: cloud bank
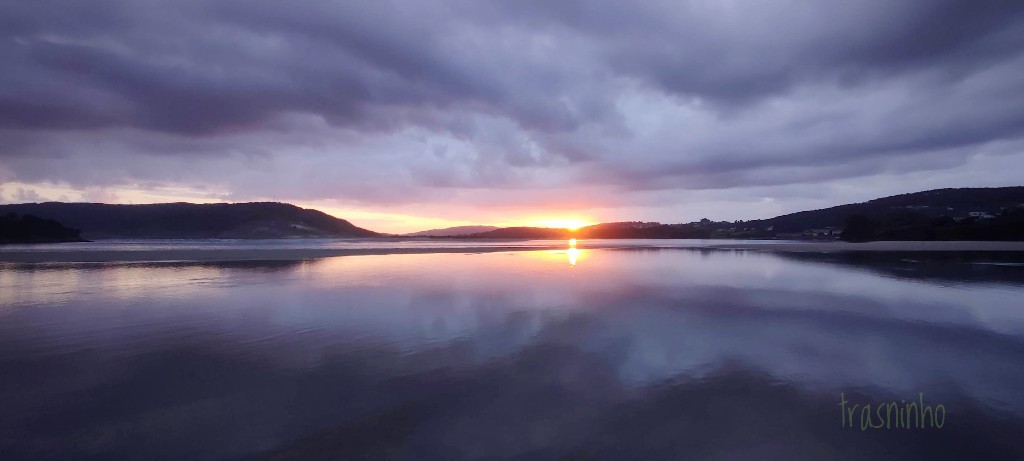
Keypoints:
pixel 641 110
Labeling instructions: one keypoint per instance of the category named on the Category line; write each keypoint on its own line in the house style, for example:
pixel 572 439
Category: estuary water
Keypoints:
pixel 542 352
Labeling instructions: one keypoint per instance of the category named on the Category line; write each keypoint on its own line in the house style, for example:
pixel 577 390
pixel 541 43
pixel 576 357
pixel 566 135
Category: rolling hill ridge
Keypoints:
pixel 191 221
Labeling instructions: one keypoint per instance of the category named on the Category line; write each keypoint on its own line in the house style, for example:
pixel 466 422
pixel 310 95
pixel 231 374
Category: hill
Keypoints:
pixel 525 233
pixel 617 230
pixel 941 214
pixel 953 203
pixel 640 230
pixel 33 229
pixel 189 220
pixel 451 231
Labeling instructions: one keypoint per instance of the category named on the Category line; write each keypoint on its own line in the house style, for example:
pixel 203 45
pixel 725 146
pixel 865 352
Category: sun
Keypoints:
pixel 564 223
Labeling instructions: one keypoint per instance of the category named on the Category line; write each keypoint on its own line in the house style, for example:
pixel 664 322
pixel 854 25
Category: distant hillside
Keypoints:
pixel 452 231
pixel 640 230
pixel 525 233
pixel 954 203
pixel 188 220
pixel 618 230
pixel 33 229
pixel 1007 225
pixel 942 214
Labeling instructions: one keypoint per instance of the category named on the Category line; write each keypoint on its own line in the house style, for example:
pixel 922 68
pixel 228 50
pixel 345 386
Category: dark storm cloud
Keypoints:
pixel 192 68
pixel 418 96
pixel 782 45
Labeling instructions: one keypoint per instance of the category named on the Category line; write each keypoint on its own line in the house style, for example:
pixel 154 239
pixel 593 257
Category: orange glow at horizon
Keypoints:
pixel 562 223
pixel 389 220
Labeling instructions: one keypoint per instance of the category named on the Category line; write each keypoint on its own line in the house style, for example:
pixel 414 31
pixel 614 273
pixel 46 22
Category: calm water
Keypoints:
pixel 553 354
pixel 360 244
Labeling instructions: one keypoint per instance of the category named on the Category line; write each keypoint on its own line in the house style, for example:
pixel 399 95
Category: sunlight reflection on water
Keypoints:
pixel 516 340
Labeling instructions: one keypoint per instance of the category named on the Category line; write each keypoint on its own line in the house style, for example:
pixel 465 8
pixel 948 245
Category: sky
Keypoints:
pixel 406 115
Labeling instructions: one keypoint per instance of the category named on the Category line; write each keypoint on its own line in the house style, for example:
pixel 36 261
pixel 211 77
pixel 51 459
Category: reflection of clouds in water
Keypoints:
pixel 834 350
pixel 501 342
pixel 546 400
pixel 660 337
pixel 652 314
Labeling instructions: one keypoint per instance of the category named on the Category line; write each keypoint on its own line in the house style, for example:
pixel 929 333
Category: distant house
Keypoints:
pixel 821 233
pixel 980 215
